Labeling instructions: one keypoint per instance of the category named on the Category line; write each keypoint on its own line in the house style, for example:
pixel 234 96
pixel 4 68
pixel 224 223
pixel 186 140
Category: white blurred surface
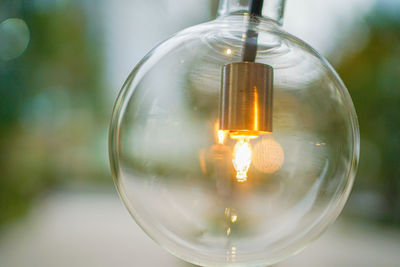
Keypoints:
pixel 80 229
pixel 94 229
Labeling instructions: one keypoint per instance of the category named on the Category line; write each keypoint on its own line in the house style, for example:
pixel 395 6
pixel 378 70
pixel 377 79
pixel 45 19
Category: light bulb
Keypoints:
pixel 225 116
pixel 242 158
pixel 245 108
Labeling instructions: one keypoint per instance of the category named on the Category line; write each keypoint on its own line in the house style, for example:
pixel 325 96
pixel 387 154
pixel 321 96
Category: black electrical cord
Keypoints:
pixel 256 7
pixel 250 43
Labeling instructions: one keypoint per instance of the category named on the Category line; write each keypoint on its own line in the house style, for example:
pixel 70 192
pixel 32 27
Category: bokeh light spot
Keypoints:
pixel 268 155
pixel 14 38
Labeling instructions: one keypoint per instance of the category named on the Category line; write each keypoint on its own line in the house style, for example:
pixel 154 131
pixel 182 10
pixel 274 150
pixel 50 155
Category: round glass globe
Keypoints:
pixel 173 167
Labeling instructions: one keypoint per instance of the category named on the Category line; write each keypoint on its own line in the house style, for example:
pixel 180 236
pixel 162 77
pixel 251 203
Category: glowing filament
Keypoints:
pixel 242 158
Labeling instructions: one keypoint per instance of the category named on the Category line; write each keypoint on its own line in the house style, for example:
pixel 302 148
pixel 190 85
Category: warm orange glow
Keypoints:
pixel 220 134
pixel 242 158
pixel 255 108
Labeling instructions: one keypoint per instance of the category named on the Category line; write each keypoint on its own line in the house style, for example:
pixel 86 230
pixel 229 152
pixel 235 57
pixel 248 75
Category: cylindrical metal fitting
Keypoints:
pixel 246 98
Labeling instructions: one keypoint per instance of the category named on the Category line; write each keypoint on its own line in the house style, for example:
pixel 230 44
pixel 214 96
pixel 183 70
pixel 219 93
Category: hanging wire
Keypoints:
pixel 250 44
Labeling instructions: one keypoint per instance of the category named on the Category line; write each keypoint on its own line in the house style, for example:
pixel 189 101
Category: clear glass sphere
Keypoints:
pixel 174 169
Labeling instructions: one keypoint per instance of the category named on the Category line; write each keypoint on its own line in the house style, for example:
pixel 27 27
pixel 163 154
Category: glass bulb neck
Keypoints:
pixel 271 9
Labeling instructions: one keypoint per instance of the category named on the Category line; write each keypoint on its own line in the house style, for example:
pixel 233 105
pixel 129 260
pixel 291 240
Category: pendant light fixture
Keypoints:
pixel 234 143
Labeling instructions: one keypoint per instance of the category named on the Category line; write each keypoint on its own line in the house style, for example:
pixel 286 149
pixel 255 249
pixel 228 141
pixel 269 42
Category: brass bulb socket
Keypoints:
pixel 246 98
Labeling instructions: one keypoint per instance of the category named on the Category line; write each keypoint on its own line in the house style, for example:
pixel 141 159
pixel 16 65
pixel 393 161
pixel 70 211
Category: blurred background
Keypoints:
pixel 62 63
